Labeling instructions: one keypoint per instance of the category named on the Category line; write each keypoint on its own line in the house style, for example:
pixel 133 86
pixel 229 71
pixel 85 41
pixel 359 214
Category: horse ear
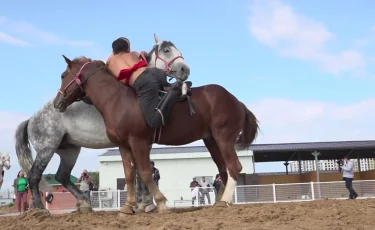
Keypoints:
pixel 157 40
pixel 68 61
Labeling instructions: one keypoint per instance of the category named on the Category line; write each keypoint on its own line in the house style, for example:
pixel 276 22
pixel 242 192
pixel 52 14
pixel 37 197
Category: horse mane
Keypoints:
pixel 81 59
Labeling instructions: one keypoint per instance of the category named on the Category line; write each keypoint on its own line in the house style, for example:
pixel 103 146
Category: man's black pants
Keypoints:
pixel 349 186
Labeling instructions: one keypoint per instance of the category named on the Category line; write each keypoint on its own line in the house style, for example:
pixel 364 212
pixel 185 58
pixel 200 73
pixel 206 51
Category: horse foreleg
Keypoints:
pixel 35 175
pixel 68 158
pixel 141 154
pixel 129 170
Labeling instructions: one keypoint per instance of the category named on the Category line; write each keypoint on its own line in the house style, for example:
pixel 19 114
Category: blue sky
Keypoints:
pixel 305 68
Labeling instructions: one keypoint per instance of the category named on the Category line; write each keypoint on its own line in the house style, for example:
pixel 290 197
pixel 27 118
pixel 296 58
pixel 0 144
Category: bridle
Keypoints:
pixel 167 64
pixel 77 79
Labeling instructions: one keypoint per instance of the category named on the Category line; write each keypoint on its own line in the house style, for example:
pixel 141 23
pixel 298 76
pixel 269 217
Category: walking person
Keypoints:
pixel 217 183
pixel 85 180
pixel 348 175
pixel 20 189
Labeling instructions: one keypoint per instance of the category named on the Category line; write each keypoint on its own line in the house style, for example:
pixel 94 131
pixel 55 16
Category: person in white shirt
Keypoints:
pixel 348 175
pixel 195 193
pixel 205 188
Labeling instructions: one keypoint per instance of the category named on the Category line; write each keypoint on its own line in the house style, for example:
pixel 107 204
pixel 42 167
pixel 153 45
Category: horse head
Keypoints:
pixel 164 55
pixel 5 160
pixel 71 88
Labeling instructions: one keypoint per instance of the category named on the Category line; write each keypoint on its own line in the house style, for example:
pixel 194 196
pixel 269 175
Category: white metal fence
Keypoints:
pixel 244 194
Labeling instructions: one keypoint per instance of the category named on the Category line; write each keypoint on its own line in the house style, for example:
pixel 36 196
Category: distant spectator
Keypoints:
pixel 193 183
pixel 85 180
pixel 195 193
pixel 217 183
pixel 155 173
pixel 348 175
pixel 205 186
pixel 49 197
pixel 20 188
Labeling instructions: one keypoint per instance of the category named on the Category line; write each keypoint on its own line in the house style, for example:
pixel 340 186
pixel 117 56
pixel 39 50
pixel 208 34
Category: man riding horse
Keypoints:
pixel 131 68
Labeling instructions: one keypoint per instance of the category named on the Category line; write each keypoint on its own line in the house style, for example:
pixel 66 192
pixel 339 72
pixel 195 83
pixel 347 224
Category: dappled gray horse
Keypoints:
pixel 4 162
pixel 81 125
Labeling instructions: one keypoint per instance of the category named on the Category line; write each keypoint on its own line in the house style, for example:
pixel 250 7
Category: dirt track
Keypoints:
pixel 322 215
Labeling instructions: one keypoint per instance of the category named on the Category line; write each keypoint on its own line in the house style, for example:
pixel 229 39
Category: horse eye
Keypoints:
pixel 166 50
pixel 62 76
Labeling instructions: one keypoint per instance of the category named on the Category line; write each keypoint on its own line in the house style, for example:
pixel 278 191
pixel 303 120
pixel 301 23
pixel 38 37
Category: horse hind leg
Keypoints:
pixel 145 201
pixel 42 159
pixel 217 157
pixel 226 143
pixel 68 158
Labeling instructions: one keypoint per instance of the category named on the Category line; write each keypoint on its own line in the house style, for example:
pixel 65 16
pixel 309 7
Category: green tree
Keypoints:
pixel 94 177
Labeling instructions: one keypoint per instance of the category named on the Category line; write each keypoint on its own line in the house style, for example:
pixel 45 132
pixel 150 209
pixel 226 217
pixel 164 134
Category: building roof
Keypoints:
pixel 284 151
pixel 50 178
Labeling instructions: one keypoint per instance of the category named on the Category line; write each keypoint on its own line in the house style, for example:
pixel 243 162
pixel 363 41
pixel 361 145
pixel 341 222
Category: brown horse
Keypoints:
pixel 220 120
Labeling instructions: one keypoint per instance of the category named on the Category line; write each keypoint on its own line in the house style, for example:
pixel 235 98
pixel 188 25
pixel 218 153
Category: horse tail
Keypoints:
pixel 24 153
pixel 249 130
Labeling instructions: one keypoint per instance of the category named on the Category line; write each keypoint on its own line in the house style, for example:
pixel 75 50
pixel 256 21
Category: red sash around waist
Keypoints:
pixel 125 74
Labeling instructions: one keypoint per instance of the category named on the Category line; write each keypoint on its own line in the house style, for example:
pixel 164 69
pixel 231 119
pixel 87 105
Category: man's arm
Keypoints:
pixel 79 179
pixel 88 179
pixel 348 167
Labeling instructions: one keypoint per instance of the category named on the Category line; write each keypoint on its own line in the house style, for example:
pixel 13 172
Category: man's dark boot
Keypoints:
pixel 166 104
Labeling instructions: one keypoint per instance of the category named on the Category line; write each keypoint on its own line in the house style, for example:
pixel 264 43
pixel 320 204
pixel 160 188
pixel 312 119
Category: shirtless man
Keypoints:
pixel 132 70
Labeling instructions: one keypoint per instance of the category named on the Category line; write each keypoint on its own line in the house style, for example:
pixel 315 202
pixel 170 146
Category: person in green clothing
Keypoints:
pixel 20 188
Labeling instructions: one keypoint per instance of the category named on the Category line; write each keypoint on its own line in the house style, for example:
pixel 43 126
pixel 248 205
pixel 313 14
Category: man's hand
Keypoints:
pixel 143 55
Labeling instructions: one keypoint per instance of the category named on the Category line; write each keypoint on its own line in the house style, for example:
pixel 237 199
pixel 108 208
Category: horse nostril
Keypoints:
pixel 185 69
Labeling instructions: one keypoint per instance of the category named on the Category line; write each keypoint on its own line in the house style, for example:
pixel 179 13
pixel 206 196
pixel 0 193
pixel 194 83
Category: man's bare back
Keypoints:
pixel 121 61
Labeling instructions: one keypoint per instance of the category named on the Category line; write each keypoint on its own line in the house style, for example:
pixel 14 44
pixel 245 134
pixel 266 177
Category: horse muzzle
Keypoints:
pixel 7 165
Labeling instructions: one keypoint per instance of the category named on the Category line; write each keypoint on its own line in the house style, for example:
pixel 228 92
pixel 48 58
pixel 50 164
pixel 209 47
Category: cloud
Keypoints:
pixel 286 120
pixel 279 27
pixel 13 41
pixel 32 32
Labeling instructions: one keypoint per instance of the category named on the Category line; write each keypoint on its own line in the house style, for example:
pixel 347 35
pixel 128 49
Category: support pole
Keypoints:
pixel 286 167
pixel 299 163
pixel 316 154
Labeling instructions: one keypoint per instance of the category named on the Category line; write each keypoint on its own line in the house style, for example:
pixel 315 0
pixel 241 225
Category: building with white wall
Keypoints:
pixel 177 166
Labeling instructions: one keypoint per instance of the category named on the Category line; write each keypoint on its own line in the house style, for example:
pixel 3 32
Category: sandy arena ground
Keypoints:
pixel 320 215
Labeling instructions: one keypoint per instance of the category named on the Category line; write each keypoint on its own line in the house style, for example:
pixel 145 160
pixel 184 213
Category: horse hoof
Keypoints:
pixel 85 209
pixel 127 210
pixel 221 204
pixel 150 208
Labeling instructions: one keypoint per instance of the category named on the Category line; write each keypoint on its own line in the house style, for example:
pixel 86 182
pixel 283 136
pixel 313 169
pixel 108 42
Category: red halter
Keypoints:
pixel 76 79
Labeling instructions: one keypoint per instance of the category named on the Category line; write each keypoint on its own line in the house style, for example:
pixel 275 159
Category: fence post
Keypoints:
pixel 235 195
pixel 274 192
pixel 100 199
pixel 47 205
pixel 312 191
pixel 118 198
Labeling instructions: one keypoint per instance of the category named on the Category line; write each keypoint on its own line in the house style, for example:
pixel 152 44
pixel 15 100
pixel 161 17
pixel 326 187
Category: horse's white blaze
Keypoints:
pixel 229 189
